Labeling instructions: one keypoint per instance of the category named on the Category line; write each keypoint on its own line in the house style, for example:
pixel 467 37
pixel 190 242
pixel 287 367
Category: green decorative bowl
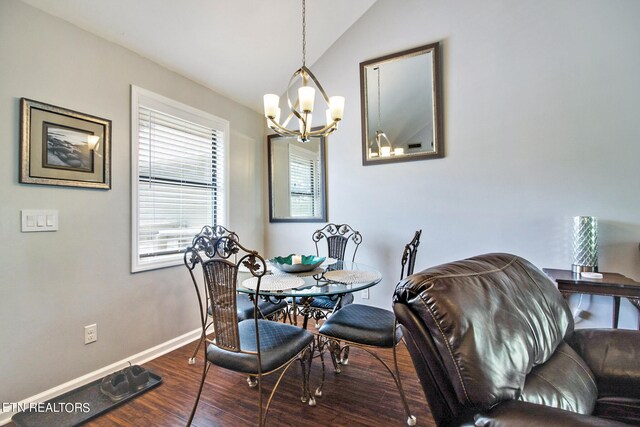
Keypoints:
pixel 307 263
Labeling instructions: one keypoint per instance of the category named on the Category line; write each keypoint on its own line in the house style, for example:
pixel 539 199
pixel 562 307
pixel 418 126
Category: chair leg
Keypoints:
pixel 261 420
pixel 411 419
pixel 310 400
pixel 253 382
pixel 290 315
pixel 345 355
pixel 305 364
pixel 334 351
pixel 192 359
pixel 195 405
pixel 339 354
pixel 319 345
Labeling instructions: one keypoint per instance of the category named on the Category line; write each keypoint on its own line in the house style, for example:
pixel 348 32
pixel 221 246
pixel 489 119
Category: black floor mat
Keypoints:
pixel 76 406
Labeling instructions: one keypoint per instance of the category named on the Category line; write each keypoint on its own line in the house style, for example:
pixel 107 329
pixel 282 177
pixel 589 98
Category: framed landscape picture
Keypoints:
pixel 64 147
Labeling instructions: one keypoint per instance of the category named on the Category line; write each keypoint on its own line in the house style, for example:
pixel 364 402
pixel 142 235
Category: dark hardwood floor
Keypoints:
pixel 364 394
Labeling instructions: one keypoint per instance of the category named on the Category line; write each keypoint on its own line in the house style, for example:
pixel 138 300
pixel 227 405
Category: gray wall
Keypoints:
pixel 540 123
pixel 52 284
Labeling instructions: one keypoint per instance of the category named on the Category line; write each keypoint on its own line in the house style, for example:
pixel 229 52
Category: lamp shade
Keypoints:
pixel 336 105
pixel 271 102
pixel 585 244
pixel 306 96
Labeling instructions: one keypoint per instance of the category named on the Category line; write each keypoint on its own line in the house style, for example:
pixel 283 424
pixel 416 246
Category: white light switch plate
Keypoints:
pixel 39 220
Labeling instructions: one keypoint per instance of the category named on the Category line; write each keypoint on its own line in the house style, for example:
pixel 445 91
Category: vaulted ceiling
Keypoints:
pixel 239 48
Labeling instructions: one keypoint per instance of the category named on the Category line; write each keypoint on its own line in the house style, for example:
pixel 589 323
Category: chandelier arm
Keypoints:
pixel 318 85
pixel 282 130
pixel 299 71
pixel 387 139
pixel 330 127
pixel 288 119
pixel 297 114
pixel 283 127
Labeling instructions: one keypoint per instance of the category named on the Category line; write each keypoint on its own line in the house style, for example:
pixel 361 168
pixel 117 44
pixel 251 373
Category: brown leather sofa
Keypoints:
pixel 493 343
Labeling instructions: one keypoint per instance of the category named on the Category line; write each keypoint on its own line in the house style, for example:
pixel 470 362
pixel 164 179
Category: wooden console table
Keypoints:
pixel 612 284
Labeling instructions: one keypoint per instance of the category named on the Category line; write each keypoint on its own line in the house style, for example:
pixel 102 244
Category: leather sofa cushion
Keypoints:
pixel 624 409
pixel 489 348
pixel 564 381
pixel 523 414
pixel 613 358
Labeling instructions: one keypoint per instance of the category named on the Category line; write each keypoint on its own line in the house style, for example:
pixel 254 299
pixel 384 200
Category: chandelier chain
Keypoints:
pixel 379 111
pixel 304 33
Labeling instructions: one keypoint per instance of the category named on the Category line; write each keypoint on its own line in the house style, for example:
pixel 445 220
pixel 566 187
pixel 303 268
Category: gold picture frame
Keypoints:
pixel 63 147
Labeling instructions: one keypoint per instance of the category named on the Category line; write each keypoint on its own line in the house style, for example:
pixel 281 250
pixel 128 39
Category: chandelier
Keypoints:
pixel 381 146
pixel 302 109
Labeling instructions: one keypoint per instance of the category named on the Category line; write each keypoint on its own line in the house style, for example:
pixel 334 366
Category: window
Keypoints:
pixel 304 182
pixel 179 177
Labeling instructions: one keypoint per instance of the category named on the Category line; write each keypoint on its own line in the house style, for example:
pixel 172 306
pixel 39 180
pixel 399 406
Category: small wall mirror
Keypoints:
pixel 401 107
pixel 297 179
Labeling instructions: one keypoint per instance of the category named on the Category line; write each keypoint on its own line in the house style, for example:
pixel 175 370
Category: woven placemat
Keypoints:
pixel 352 276
pixel 274 282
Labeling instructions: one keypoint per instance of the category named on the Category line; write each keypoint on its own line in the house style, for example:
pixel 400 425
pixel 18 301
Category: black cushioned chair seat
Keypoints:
pixel 325 302
pixel 279 343
pixel 245 307
pixel 363 324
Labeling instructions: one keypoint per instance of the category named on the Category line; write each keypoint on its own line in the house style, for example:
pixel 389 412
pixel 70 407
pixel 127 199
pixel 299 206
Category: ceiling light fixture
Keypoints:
pixel 303 107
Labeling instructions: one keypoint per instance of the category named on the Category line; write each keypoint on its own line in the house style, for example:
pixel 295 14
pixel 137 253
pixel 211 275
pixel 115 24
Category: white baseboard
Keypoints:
pixel 136 359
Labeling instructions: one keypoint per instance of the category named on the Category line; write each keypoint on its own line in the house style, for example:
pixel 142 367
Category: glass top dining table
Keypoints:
pixel 333 280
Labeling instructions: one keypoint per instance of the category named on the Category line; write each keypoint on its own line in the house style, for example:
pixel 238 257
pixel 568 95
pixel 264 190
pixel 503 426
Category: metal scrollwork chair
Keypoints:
pixel 267 308
pixel 365 326
pixel 255 347
pixel 338 237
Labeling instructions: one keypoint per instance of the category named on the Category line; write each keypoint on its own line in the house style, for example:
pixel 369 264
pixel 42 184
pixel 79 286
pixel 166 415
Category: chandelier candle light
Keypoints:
pixel 303 107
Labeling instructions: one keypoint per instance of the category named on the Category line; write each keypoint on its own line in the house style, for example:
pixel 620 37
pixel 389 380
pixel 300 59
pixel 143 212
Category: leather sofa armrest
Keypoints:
pixel 525 414
pixel 613 355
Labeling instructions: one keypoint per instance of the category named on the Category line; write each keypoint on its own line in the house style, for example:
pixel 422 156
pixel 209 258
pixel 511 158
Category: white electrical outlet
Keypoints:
pixel 90 333
pixel 365 293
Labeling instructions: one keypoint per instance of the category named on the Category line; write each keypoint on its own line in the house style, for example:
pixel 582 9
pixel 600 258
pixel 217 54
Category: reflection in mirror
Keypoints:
pixel 297 179
pixel 401 111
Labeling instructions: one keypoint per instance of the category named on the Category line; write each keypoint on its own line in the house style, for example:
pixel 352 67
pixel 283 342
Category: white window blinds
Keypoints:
pixel 304 183
pixel 180 180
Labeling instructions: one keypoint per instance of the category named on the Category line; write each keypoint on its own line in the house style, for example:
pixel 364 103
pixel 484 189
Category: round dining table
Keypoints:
pixel 333 279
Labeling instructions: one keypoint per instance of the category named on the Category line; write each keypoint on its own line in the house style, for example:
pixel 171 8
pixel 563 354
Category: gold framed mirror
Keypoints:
pixel 402 106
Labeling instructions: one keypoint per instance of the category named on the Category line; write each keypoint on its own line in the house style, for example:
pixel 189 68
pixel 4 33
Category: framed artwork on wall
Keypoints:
pixel 63 147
